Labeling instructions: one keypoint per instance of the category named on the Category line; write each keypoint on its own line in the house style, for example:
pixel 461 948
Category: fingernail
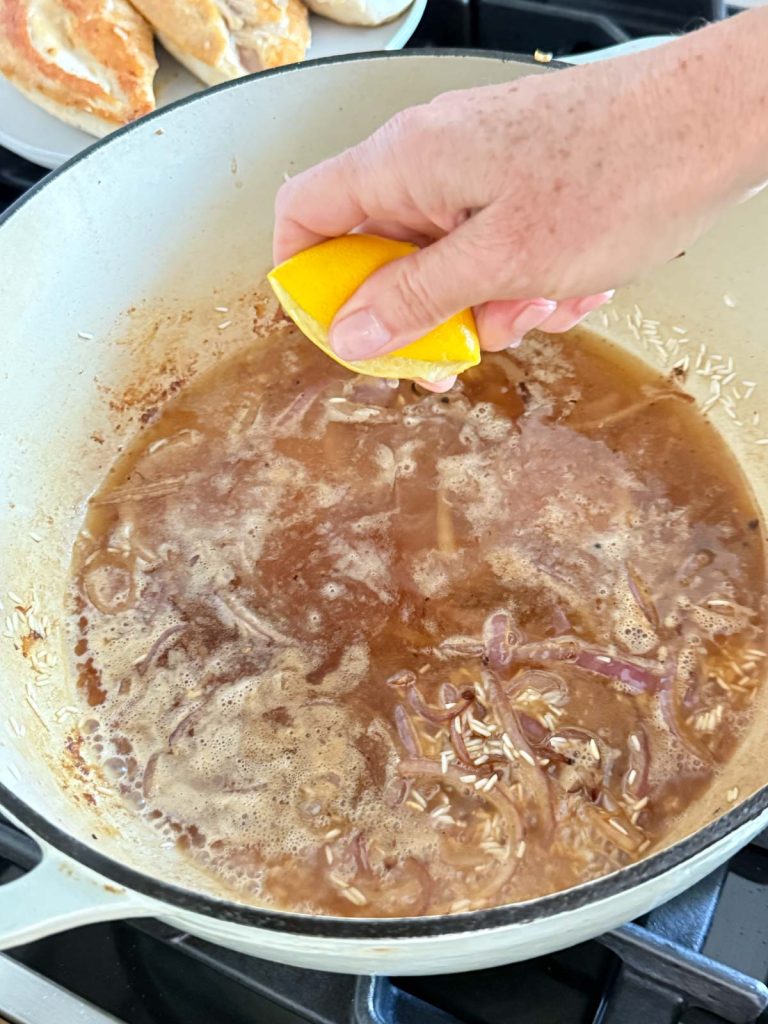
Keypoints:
pixel 359 335
pixel 535 313
pixel 593 302
pixel 439 387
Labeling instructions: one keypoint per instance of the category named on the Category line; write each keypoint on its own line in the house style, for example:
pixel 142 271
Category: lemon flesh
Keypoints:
pixel 313 286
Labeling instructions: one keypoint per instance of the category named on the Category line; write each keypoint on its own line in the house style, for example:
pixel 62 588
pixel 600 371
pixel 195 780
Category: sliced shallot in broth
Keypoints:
pixel 356 649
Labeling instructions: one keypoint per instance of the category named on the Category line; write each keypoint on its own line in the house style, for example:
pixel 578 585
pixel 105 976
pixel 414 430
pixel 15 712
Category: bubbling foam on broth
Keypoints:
pixel 362 650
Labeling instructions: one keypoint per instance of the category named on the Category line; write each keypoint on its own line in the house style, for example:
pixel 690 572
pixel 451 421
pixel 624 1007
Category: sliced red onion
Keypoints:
pixel 108 582
pixel 669 703
pixel 340 410
pixel 448 693
pixel 188 719
pixel 419 871
pixel 434 715
pixel 642 599
pixel 360 851
pixel 562 648
pixel 502 646
pixel 619 415
pixel 396 793
pixel 500 637
pixel 457 740
pixel 232 612
pixel 535 782
pixel 498 797
pixel 461 647
pixel 142 666
pixel 406 732
pixel 402 678
pixel 392 892
pixel 693 565
pixel 460 855
pixel 560 622
pixel 533 730
pixel 615 828
pixel 295 412
pixel 637 677
pixel 149 774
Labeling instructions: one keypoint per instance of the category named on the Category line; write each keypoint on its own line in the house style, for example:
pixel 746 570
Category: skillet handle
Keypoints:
pixel 57 894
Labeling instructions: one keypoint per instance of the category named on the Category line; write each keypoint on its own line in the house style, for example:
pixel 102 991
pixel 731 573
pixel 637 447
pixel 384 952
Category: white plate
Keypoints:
pixel 31 133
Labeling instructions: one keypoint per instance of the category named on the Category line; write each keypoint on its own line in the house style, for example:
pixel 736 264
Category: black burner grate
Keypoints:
pixel 567 27
pixel 16 176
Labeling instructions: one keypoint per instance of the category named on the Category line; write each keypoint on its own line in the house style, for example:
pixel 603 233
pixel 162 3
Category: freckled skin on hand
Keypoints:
pixel 576 182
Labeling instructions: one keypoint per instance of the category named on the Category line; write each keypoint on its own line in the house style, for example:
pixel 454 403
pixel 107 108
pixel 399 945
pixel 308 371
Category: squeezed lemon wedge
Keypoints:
pixel 313 286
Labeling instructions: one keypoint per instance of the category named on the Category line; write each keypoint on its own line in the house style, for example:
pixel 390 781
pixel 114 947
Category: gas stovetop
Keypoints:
pixel 701 959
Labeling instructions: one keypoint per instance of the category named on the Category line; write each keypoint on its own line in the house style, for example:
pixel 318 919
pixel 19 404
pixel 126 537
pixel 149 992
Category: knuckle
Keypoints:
pixel 390 135
pixel 399 124
pixel 360 164
pixel 409 119
pixel 401 129
pixel 283 199
pixel 376 160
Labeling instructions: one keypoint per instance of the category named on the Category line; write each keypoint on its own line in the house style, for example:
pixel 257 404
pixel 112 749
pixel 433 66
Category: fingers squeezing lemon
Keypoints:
pixel 313 286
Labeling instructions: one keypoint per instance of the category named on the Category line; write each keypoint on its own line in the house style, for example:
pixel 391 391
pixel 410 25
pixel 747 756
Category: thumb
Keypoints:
pixel 408 297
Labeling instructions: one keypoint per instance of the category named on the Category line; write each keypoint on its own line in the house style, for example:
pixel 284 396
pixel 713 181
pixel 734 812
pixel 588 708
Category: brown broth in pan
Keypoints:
pixel 363 650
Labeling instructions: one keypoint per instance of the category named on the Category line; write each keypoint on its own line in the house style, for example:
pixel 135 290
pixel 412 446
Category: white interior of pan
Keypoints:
pixel 111 276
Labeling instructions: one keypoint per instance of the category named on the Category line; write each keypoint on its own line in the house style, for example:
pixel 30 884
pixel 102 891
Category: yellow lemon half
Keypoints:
pixel 313 286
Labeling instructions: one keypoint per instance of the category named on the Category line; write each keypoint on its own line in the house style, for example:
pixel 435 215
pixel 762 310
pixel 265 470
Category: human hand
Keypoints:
pixel 533 200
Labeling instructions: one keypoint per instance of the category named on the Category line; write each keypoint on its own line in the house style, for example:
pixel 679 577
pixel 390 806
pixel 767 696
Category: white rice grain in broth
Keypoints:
pixel 362 650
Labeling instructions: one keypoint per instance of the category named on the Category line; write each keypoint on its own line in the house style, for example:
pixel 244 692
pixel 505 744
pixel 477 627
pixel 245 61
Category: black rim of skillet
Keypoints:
pixel 363 928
